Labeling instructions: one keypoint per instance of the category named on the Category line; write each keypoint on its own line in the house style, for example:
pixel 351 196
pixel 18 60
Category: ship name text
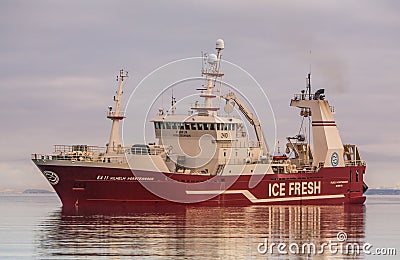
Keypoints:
pixel 123 178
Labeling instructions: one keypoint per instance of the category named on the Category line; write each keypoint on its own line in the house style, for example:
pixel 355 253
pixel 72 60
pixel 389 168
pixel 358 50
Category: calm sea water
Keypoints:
pixel 36 227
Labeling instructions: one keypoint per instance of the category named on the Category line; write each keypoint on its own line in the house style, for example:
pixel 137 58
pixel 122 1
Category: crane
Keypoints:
pixel 250 117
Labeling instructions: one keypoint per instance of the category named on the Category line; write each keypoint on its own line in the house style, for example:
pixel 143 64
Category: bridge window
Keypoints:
pixel 212 126
pixel 162 125
pixel 173 125
pixel 199 126
pixel 206 127
pixel 168 125
pixel 187 126
pixel 233 126
pixel 193 126
pixel 218 126
pixel 225 126
pixel 157 125
pixel 180 125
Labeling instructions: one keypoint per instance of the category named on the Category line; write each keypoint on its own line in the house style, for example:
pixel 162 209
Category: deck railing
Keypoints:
pixel 79 148
pixel 98 154
pixel 355 163
pixel 309 97
pixel 303 96
pixel 112 114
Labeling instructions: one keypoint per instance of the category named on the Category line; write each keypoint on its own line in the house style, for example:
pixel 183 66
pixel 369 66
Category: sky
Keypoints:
pixel 59 59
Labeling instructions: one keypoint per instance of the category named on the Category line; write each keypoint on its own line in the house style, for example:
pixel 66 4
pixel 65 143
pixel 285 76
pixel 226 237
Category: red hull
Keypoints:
pixel 95 186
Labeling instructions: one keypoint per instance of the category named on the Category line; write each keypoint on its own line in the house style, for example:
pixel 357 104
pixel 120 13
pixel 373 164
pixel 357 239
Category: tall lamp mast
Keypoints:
pixel 114 144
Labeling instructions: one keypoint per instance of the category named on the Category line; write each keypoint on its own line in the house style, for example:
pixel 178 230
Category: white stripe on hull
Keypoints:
pixel 253 199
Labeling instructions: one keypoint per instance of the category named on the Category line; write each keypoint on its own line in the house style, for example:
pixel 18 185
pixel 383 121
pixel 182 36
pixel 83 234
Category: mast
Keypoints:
pixel 114 144
pixel 309 85
pixel 212 73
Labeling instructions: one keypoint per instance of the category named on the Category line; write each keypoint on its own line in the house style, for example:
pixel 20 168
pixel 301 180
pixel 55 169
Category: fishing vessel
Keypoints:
pixel 206 157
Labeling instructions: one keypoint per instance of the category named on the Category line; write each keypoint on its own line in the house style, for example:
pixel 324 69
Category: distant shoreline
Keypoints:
pixel 383 192
pixel 37 191
pixel 43 191
pixel 27 191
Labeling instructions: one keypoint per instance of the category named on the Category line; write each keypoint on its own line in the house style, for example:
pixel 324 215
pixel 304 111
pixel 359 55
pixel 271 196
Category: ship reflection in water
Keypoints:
pixel 196 232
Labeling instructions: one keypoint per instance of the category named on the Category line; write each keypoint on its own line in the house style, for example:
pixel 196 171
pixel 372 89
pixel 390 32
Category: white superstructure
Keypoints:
pixel 204 142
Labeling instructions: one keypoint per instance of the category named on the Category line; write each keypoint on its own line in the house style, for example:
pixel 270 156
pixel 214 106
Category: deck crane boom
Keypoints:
pixel 251 118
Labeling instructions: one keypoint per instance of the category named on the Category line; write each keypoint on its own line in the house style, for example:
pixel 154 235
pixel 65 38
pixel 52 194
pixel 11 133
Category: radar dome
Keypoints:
pixel 220 44
pixel 229 107
pixel 212 58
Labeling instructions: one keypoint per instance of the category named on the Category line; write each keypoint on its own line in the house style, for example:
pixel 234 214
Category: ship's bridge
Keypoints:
pixel 195 126
pixel 204 142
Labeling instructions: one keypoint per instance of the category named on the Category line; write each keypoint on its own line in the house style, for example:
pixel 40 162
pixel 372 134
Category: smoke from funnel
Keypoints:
pixel 332 73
